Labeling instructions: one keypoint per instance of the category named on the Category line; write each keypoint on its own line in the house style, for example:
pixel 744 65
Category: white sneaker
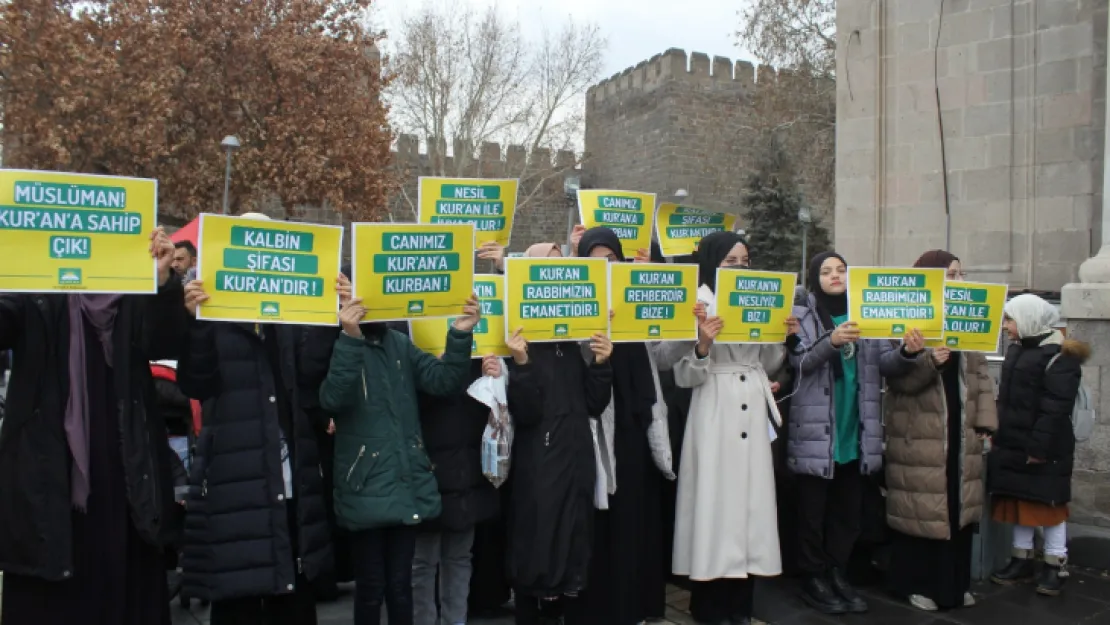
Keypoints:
pixel 923 603
pixel 969 600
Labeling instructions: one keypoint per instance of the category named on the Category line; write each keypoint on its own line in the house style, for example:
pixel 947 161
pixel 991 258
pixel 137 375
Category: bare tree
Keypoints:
pixel 465 78
pixel 798 34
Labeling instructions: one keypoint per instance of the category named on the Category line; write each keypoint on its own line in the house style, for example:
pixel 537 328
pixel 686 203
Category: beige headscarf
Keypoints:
pixel 542 250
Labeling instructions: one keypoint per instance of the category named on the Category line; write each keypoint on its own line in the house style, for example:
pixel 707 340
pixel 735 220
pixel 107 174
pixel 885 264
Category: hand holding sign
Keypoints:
pixel 472 314
pixel 913 342
pixel 576 236
pixel 343 289
pixel 161 249
pixel 708 330
pixel 941 355
pixel 519 347
pixel 350 316
pixel 602 348
pixel 494 251
pixel 491 366
pixel 792 326
pixel 194 295
pixel 847 332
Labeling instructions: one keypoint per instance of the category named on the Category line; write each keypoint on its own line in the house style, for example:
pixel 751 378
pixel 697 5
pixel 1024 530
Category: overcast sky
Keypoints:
pixel 636 29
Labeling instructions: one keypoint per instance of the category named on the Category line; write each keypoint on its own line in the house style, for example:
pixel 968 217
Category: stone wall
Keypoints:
pixel 1021 88
pixel 684 122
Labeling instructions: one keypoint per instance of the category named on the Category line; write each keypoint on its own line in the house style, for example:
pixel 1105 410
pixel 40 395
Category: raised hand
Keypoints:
pixel 161 250
pixel 643 256
pixel 792 325
pixel 602 348
pixel 194 296
pixel 700 311
pixel 708 330
pixel 472 314
pixel 492 250
pixel 491 366
pixel 913 342
pixel 518 346
pixel 343 289
pixel 576 236
pixel 847 332
pixel 350 315
pixel 941 355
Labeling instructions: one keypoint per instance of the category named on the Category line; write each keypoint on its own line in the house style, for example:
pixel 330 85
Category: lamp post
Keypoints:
pixel 230 144
pixel 681 195
pixel 572 182
pixel 805 217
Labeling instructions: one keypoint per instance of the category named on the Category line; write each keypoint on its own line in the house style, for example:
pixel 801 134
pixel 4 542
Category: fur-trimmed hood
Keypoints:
pixel 1076 349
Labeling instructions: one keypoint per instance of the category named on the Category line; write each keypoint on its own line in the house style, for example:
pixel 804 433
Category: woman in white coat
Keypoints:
pixel 726 528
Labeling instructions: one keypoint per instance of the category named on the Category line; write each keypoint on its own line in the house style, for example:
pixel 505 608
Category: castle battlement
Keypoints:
pixel 489 160
pixel 675 65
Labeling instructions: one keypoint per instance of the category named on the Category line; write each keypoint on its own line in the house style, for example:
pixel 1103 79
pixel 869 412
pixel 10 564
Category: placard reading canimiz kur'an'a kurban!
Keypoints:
pixel 410 271
pixel 629 214
pixel 260 271
pixel 681 228
pixel 653 302
pixel 76 232
pixel 972 316
pixel 754 305
pixel 556 299
pixel 888 302
pixel 430 335
pixel 488 204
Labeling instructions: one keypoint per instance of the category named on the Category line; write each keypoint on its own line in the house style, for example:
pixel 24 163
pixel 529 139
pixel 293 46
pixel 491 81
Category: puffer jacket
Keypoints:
pixel 1035 405
pixel 812 409
pixel 917 446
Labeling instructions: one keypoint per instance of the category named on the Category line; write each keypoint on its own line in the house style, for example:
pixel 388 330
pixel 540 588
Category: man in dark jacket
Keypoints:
pixel 256 533
pixel 453 428
pixel 81 537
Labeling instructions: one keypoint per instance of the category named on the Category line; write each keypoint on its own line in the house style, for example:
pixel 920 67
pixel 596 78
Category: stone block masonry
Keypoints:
pixel 688 121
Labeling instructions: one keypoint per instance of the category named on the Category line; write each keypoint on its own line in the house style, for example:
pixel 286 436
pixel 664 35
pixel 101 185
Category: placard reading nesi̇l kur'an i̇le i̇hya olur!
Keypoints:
pixel 410 271
pixel 681 228
pixel 488 204
pixel 972 316
pixel 430 335
pixel 258 271
pixel 76 232
pixel 652 302
pixel 627 213
pixel 754 305
pixel 888 302
pixel 556 299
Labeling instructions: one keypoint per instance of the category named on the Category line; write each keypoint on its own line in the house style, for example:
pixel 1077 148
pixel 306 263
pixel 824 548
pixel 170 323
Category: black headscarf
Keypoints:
pixel 828 306
pixel 712 252
pixel 633 383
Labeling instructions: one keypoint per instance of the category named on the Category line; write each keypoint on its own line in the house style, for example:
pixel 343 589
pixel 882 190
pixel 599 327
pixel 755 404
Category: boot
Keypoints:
pixel 1051 580
pixel 840 585
pixel 1018 571
pixel 821 597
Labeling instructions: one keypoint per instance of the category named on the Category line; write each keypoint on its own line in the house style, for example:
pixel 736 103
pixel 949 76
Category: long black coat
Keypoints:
pixel 1034 421
pixel 237 539
pixel 553 471
pixel 453 428
pixel 35 511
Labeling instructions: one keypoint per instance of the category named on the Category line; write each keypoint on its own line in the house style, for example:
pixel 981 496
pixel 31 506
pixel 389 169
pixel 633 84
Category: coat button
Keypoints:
pixel 289 587
pixel 273 400
pixel 416 517
pixel 743 434
pixel 67 574
pixel 743 378
pixel 743 406
pixel 281 497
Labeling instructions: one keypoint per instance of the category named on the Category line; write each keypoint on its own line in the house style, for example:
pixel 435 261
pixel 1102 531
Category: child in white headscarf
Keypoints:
pixel 1031 462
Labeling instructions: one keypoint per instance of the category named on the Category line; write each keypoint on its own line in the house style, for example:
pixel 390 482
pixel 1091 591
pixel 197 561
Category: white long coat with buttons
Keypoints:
pixel 726 523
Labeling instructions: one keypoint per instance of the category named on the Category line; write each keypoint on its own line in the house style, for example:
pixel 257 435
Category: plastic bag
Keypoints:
pixel 497 439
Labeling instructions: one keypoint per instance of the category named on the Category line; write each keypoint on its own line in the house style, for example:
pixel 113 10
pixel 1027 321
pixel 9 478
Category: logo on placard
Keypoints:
pixel 416 307
pixel 754 333
pixel 952 341
pixel 561 329
pixel 654 331
pixel 69 276
pixel 899 329
pixel 270 309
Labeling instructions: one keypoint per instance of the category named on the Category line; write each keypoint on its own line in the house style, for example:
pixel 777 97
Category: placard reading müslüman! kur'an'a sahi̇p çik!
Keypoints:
pixel 681 228
pixel 488 204
pixel 754 305
pixel 653 302
pixel 629 214
pixel 75 232
pixel 259 271
pixel 556 299
pixel 887 303
pixel 972 316
pixel 430 335
pixel 411 271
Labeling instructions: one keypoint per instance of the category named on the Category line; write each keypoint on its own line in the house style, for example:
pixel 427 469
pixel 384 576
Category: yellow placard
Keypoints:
pixel 260 271
pixel 627 213
pixel 972 316
pixel 430 335
pixel 556 299
pixel 488 204
pixel 653 302
pixel 76 232
pixel 754 305
pixel 681 228
pixel 888 302
pixel 412 271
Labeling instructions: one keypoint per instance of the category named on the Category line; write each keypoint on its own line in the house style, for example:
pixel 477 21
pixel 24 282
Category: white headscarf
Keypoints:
pixel 1033 315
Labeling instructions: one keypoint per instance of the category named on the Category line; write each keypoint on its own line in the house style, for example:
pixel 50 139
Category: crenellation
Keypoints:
pixel 699 65
pixel 765 75
pixel 722 68
pixel 745 74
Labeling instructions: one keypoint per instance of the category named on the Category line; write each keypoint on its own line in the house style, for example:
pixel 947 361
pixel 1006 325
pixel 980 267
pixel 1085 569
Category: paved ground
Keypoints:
pixel 1085 602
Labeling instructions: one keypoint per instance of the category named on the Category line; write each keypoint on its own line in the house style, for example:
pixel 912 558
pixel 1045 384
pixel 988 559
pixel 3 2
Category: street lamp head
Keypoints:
pixel 571 184
pixel 805 215
pixel 682 194
pixel 230 143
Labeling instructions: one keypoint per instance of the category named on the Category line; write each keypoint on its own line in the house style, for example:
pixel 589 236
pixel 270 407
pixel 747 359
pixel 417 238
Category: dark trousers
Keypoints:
pixel 829 518
pixel 722 600
pixel 383 573
pixel 529 610
pixel 298 608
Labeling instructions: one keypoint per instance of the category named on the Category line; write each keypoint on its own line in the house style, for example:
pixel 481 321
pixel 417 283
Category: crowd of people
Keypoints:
pixel 345 453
